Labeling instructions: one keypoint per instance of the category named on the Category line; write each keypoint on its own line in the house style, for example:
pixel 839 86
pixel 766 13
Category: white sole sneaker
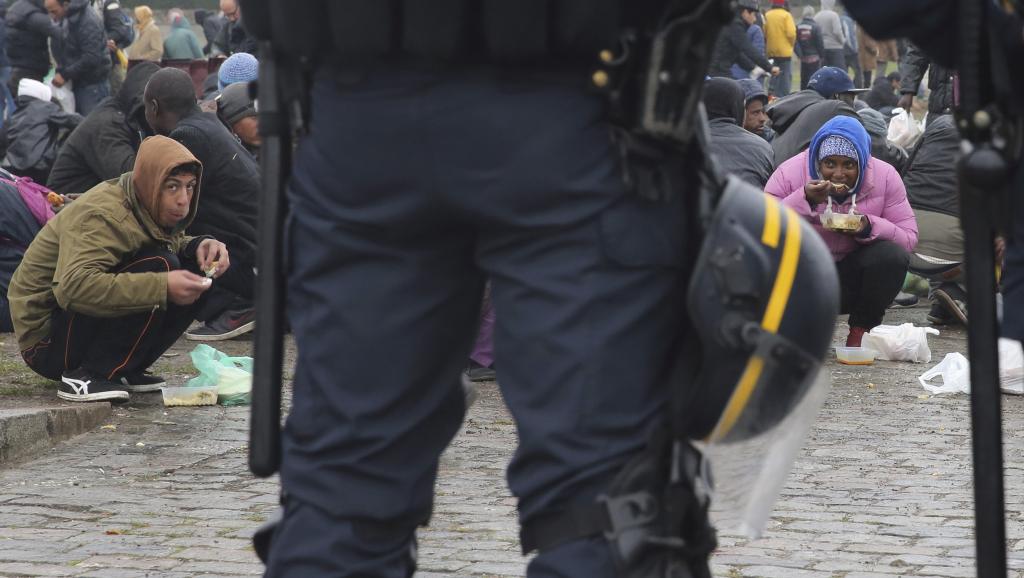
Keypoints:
pixel 240 330
pixel 80 392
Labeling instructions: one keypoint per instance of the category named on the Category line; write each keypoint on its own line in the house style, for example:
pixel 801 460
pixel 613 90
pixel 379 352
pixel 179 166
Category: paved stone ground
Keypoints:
pixel 883 488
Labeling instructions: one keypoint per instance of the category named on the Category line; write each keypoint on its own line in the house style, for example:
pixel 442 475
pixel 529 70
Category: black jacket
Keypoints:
pixel 881 94
pixel 28 29
pixel 740 152
pixel 940 80
pixel 230 189
pixel 234 38
pixel 731 48
pixel 117 24
pixel 930 176
pixel 211 24
pixel 17 229
pixel 798 117
pixel 33 135
pixel 103 147
pixel 81 51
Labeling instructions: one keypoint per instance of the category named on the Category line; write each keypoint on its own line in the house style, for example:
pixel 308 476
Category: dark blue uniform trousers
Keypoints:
pixel 411 189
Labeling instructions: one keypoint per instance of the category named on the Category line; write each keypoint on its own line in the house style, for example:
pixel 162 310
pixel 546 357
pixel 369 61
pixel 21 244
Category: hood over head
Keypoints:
pixel 785 110
pixel 808 12
pixel 874 122
pixel 179 21
pixel 143 16
pixel 129 97
pixel 828 4
pixel 723 98
pixel 157 157
pixel 849 129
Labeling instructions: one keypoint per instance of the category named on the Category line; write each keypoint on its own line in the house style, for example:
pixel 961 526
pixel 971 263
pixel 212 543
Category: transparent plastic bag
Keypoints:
pixel 231 375
pixel 954 373
pixel 904 130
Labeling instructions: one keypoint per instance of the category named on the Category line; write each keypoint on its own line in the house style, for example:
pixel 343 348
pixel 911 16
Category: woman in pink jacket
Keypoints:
pixel 871 256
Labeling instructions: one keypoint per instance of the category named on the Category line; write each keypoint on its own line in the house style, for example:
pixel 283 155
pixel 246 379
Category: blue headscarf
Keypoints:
pixel 850 129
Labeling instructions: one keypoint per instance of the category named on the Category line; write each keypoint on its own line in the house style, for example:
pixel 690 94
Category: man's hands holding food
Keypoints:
pixel 185 287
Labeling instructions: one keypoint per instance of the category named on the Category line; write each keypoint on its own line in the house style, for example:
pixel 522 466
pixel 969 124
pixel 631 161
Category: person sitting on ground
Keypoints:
pixel 797 117
pixel 236 109
pixel 108 285
pixel 884 93
pixel 103 147
pixel 181 43
pixel 32 136
pixel 755 100
pixel 21 216
pixel 736 150
pixel 149 41
pixel 239 67
pixel 230 203
pixel 881 148
pixel 872 256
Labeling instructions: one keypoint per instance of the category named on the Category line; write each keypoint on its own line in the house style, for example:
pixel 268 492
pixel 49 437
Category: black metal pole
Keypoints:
pixel 268 338
pixel 983 350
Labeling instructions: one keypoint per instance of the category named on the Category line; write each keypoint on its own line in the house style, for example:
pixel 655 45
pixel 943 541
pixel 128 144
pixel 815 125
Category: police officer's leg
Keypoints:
pixel 383 300
pixel 587 288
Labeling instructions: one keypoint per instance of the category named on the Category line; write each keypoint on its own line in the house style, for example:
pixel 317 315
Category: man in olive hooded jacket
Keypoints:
pixel 112 281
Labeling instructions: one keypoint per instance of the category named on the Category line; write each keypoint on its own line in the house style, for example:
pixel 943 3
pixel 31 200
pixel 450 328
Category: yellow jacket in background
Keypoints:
pixel 779 33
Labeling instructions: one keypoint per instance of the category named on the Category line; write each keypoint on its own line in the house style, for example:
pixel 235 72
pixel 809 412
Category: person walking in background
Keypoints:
pixel 181 43
pixel 832 34
pixel 888 51
pixel 211 22
pixel 29 28
pixel 149 41
pixel 733 45
pixel 81 53
pixel 780 34
pixel 120 34
pixel 867 54
pixel 809 46
pixel 872 258
pixel 744 68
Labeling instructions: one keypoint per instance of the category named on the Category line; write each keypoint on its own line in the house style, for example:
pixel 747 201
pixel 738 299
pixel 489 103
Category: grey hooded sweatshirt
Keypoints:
pixel 831 26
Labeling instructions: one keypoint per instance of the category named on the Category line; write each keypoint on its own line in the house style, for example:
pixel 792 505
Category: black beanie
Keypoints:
pixel 234 104
pixel 723 98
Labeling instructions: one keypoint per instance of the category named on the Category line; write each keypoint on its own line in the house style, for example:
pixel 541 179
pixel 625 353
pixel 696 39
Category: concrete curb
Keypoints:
pixel 28 432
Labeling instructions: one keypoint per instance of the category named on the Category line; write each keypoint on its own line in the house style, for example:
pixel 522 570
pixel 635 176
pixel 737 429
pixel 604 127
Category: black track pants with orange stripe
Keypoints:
pixel 112 347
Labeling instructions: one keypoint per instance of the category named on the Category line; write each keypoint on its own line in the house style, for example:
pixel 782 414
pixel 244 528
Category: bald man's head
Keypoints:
pixel 169 96
pixel 230 9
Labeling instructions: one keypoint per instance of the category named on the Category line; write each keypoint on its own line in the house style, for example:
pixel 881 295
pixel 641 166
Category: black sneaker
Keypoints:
pixel 142 382
pixel 953 299
pixel 231 323
pixel 938 315
pixel 80 385
pixel 905 300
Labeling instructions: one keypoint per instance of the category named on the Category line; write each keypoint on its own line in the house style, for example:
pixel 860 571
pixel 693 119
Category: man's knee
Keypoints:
pixel 150 260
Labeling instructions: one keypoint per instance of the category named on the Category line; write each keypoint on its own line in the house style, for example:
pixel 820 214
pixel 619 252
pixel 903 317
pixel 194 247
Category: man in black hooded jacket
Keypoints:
pixel 28 29
pixel 734 47
pixel 736 150
pixel 104 146
pixel 941 81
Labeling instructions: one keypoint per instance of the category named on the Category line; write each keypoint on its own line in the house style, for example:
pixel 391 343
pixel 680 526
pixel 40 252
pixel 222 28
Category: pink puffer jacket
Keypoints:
pixel 882 197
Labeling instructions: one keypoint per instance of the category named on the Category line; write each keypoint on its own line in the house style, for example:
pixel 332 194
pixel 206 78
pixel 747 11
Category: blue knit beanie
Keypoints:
pixel 239 67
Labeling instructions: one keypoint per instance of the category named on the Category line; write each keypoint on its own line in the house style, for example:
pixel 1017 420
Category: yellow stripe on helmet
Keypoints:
pixel 776 308
pixel 772 222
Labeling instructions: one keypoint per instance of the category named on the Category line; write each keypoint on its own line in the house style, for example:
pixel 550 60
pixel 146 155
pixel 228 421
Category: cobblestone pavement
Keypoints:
pixel 882 489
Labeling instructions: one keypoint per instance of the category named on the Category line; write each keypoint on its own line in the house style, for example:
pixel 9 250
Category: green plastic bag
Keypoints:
pixel 231 375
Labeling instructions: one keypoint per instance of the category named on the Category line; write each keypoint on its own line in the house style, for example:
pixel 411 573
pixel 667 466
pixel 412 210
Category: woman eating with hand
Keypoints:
pixel 859 206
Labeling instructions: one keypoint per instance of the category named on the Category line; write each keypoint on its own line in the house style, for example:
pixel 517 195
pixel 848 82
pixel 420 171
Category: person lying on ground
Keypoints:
pixel 872 248
pixel 108 285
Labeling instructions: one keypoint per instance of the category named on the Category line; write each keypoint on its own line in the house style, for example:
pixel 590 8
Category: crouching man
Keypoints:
pixel 111 282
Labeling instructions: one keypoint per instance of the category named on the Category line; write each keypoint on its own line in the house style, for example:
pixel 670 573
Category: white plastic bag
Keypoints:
pixel 954 373
pixel 900 343
pixel 904 130
pixel 64 95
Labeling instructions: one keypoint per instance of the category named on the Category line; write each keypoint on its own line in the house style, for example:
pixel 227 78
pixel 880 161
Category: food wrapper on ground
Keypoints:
pixel 231 376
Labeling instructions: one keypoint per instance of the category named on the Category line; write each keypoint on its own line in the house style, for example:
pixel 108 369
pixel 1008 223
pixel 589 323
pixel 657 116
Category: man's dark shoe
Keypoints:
pixel 905 300
pixel 938 315
pixel 142 382
pixel 953 299
pixel 231 323
pixel 476 372
pixel 80 385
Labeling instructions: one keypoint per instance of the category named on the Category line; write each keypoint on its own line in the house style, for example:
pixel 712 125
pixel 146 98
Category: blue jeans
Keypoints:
pixel 782 84
pixel 89 96
pixel 7 104
pixel 414 189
